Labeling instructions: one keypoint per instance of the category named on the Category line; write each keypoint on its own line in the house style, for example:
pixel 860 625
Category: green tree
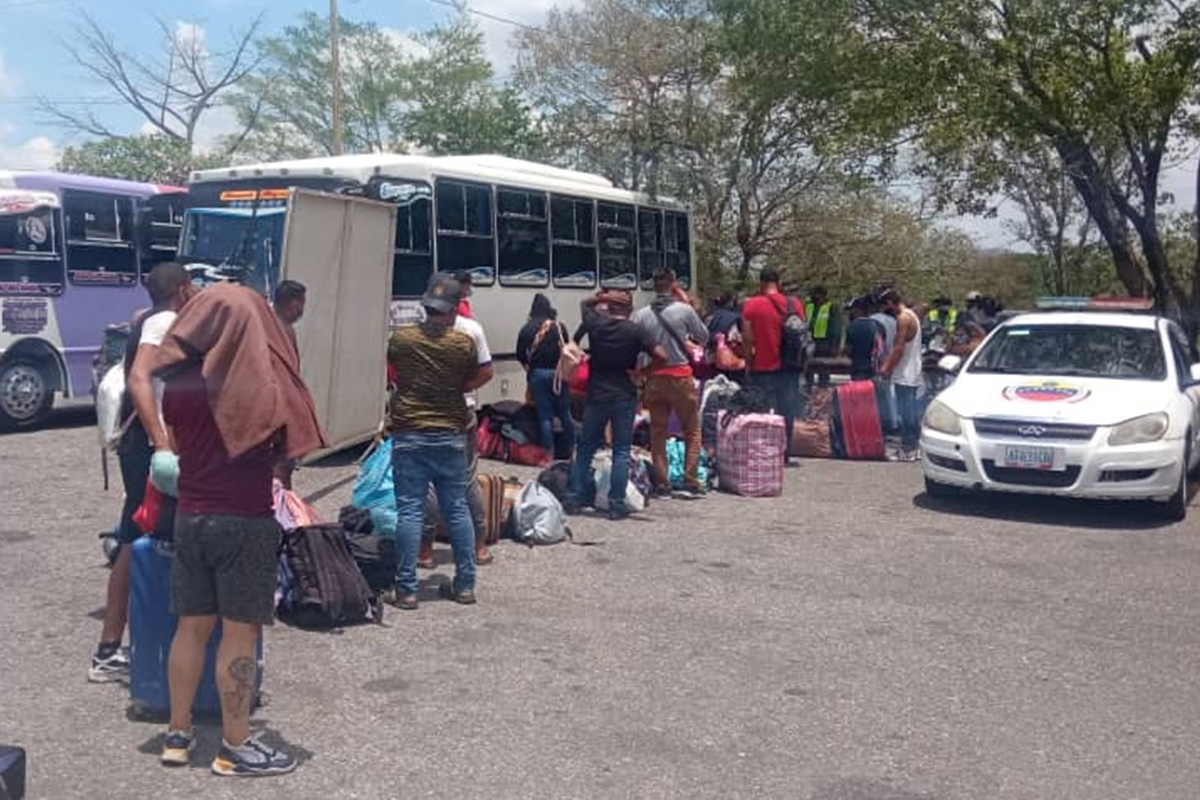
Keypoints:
pixel 1109 86
pixel 630 89
pixel 149 158
pixel 286 106
pixel 453 104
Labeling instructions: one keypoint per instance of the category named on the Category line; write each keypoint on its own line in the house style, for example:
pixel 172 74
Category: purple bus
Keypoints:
pixel 73 252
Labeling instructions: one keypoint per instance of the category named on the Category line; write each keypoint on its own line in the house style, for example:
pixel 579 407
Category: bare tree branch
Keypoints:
pixel 171 96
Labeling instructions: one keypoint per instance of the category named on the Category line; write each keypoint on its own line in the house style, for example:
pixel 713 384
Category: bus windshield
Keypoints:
pixel 236 238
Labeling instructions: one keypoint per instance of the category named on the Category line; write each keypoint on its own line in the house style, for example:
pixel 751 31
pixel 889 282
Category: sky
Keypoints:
pixel 34 62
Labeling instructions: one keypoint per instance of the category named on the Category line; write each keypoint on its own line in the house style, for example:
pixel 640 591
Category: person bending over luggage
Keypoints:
pixel 615 343
pixel 144 440
pixel 670 388
pixel 435 363
pixel 235 403
pixel 539 345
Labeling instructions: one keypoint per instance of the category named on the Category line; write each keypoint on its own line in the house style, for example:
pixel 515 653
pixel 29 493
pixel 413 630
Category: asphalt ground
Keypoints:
pixel 850 640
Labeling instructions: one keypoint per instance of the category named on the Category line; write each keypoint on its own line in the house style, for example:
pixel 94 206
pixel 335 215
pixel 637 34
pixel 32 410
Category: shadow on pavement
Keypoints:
pixel 1040 510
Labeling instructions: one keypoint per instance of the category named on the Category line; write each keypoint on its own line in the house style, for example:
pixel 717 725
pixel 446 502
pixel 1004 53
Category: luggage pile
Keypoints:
pixel 841 422
pixel 508 431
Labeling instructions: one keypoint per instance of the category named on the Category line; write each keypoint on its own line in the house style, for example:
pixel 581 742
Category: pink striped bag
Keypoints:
pixel 750 451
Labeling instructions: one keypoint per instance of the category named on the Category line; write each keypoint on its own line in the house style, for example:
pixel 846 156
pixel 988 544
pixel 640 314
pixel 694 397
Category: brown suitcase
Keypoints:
pixel 496 506
pixel 810 439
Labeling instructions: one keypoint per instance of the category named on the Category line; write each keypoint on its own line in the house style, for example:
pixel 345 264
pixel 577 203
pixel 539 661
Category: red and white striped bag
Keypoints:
pixel 750 451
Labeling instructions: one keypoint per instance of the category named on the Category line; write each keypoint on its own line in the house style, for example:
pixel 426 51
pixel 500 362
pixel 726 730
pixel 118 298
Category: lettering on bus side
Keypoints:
pixel 24 317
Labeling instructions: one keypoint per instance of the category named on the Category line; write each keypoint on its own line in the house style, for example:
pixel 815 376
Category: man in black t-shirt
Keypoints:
pixel 864 342
pixel 614 344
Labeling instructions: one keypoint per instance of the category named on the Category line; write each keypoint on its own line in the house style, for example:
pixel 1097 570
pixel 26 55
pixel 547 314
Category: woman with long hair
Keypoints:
pixel 538 347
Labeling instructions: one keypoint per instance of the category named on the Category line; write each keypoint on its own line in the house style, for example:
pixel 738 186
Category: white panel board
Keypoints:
pixel 341 249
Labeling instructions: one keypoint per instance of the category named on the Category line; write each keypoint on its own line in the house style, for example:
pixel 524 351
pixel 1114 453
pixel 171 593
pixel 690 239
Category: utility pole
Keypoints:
pixel 337 78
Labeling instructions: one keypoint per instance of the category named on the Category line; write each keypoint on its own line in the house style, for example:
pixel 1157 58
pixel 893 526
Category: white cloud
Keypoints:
pixel 8 82
pixel 37 152
pixel 499 36
pixel 217 123
pixel 188 32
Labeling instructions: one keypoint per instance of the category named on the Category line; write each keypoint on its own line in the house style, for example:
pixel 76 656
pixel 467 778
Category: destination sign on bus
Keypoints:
pixel 243 195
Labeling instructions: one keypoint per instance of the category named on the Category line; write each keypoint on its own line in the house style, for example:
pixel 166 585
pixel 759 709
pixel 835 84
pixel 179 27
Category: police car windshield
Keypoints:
pixel 1092 351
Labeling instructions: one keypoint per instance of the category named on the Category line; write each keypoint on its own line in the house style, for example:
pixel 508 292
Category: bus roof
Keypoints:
pixel 55 181
pixel 494 169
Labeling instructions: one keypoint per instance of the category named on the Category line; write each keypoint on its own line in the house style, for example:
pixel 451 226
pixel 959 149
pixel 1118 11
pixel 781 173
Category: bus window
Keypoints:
pixel 100 239
pixel 677 242
pixel 524 240
pixel 162 218
pixel 29 254
pixel 650 244
pixel 412 263
pixel 573 242
pixel 464 225
pixel 618 246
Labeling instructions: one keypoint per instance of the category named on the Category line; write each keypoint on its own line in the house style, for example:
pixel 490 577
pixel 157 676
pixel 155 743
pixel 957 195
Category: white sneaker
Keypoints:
pixel 114 669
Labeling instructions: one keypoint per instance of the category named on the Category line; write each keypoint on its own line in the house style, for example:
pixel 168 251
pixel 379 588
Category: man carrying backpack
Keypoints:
pixel 776 348
pixel 670 321
pixel 144 441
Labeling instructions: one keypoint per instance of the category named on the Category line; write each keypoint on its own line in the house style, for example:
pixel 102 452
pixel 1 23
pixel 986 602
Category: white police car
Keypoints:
pixel 1082 404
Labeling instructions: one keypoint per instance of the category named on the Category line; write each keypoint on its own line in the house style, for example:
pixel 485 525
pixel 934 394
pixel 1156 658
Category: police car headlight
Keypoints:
pixel 939 417
pixel 1140 430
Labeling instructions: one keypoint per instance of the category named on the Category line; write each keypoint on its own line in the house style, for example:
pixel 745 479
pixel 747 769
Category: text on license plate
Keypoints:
pixel 1019 457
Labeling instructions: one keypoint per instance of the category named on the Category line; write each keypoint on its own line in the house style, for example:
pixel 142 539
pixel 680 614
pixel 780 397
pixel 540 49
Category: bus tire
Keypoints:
pixel 26 393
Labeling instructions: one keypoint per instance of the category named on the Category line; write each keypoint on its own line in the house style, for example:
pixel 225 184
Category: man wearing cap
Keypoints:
pixel 435 364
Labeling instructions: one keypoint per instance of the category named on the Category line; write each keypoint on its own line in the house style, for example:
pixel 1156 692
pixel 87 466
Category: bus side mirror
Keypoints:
pixel 144 227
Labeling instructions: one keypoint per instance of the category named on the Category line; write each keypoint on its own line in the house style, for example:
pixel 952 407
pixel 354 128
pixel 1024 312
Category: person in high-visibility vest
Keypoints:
pixel 943 314
pixel 819 313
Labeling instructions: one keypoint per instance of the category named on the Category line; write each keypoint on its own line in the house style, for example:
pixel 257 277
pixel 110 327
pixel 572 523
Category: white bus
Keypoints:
pixel 517 226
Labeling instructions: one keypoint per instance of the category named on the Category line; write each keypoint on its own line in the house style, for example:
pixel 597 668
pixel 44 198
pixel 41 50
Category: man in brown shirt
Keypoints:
pixel 435 363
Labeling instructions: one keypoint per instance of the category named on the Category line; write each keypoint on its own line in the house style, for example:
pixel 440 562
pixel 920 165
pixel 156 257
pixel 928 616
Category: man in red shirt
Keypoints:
pixel 762 332
pixel 463 276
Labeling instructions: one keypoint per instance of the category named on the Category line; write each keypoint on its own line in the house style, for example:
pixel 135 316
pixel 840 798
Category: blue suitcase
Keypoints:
pixel 151 628
pixel 12 772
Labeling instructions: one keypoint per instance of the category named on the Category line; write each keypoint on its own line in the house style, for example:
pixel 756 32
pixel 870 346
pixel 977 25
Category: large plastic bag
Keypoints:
pixel 634 499
pixel 375 490
pixel 109 395
pixel 677 463
pixel 538 516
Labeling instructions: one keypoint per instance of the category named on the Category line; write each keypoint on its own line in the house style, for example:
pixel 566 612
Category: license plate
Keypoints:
pixel 1018 457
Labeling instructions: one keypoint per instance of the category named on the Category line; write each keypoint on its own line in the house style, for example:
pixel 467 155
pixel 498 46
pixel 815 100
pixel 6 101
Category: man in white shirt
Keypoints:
pixel 425 558
pixel 145 449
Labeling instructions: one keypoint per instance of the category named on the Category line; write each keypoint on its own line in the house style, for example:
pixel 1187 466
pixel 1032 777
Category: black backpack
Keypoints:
pixel 796 345
pixel 376 556
pixel 325 588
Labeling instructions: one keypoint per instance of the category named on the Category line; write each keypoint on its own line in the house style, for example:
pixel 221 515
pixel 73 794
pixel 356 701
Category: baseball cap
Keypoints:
pixel 442 294
pixel 973 295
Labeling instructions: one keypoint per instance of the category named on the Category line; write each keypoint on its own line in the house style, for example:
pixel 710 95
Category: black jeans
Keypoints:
pixel 782 391
pixel 134 454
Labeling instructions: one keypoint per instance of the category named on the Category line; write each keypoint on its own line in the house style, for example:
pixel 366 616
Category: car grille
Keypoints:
pixel 1031 477
pixel 1125 475
pixel 1036 431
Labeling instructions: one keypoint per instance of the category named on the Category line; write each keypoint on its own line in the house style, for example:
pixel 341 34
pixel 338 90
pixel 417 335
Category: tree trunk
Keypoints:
pixel 1093 190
